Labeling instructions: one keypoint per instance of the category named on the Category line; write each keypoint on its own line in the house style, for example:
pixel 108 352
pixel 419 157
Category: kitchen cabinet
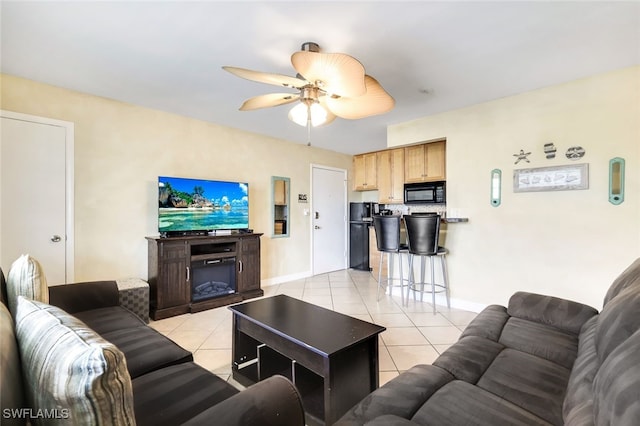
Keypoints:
pixel 425 162
pixel 364 172
pixel 390 176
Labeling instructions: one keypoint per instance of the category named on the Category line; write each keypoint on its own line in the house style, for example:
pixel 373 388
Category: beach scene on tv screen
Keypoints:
pixel 194 204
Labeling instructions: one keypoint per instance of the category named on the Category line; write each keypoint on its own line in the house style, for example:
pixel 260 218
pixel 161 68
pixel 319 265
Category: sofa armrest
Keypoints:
pixel 562 314
pixel 272 402
pixel 80 297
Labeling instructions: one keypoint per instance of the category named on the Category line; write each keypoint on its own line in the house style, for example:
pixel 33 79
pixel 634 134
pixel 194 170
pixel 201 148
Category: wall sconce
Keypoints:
pixel 616 180
pixel 496 187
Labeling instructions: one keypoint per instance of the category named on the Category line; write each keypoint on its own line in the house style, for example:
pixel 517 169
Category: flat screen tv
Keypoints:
pixel 196 205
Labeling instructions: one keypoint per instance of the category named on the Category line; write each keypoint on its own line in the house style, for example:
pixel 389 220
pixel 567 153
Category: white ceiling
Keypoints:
pixel 430 56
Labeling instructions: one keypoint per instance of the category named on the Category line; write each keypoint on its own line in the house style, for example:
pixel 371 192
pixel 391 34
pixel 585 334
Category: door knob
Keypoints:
pixel 56 238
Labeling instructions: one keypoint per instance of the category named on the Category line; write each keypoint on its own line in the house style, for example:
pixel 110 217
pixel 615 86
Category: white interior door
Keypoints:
pixel 329 219
pixel 35 204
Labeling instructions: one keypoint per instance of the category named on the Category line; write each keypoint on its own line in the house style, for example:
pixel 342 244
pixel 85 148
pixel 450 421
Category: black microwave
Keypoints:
pixel 425 193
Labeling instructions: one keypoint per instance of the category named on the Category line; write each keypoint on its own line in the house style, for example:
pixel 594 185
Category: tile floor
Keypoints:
pixel 414 334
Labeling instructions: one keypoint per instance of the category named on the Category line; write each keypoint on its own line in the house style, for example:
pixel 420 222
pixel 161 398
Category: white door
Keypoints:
pixel 35 201
pixel 329 219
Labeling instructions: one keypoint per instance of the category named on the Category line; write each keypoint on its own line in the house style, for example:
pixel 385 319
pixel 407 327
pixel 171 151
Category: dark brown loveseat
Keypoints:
pixel 168 387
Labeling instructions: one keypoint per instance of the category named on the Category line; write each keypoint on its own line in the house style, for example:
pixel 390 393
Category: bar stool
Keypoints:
pixel 387 230
pixel 423 232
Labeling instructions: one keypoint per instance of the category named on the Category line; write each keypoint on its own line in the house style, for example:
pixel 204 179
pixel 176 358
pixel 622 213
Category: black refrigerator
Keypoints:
pixel 360 219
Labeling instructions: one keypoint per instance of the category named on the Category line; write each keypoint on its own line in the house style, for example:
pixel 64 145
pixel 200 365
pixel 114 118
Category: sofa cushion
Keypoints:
pixel 112 318
pixel 273 401
pixel 146 349
pixel 629 277
pixel 540 340
pixel 175 394
pixel 469 358
pixel 67 366
pixel 26 278
pixel 461 403
pixel 488 323
pixel 578 404
pixel 538 388
pixel 390 420
pixel 402 396
pixel 617 385
pixel 85 296
pixel 563 314
pixel 618 320
pixel 11 389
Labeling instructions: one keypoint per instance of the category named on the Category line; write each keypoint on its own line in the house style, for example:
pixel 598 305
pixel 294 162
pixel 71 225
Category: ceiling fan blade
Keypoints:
pixel 375 101
pixel 265 77
pixel 335 73
pixel 269 100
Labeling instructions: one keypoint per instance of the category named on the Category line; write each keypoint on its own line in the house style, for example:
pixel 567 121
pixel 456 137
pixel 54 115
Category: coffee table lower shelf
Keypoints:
pixel 270 363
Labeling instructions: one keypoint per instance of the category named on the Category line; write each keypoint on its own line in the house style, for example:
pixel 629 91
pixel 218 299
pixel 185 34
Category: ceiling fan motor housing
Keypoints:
pixel 310 46
pixel 309 94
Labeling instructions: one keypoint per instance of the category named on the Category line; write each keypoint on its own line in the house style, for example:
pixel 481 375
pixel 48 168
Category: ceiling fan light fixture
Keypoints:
pixel 301 113
pixel 328 85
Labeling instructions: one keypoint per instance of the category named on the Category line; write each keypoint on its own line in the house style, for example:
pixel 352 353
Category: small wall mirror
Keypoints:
pixel 280 187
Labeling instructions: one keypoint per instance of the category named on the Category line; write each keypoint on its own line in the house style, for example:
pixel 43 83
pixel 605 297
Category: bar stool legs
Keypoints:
pixel 389 279
pixel 434 287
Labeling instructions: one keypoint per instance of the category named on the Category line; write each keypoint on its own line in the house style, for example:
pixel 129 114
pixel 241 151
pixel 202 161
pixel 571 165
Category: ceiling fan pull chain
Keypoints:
pixel 308 124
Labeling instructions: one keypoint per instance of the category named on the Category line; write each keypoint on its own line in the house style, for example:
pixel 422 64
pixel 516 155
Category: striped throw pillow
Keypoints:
pixel 70 370
pixel 26 278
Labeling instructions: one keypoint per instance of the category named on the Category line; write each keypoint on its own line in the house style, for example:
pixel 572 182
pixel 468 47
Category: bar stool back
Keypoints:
pixel 387 230
pixel 423 232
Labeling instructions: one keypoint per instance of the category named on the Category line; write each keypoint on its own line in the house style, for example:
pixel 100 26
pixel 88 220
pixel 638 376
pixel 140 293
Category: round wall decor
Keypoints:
pixel 575 153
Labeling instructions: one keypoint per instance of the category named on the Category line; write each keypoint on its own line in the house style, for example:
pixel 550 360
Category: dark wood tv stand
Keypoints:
pixel 170 271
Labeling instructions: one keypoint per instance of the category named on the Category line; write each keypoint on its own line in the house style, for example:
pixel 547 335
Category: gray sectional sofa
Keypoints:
pixel 167 387
pixel 539 361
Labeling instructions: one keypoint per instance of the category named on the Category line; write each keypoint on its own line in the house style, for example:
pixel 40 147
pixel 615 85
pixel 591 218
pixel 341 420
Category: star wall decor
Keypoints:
pixel 522 156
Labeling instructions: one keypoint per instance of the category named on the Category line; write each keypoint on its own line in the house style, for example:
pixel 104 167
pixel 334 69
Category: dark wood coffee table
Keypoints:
pixel 332 358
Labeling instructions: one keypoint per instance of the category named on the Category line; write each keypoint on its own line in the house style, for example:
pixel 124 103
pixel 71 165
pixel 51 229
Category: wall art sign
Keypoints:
pixel 556 178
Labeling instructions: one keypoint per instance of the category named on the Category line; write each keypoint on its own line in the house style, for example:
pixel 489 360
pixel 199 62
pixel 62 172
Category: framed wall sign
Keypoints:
pixel 556 178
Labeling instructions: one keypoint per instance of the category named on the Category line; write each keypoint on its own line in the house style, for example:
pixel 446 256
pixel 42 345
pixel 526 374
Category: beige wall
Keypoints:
pixel 566 243
pixel 120 150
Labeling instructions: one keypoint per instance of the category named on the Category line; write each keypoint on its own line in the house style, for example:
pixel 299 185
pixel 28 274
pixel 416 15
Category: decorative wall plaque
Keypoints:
pixel 556 178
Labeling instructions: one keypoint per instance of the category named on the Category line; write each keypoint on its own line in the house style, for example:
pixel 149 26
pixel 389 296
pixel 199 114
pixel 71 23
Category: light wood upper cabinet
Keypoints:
pixel 390 173
pixel 364 172
pixel 424 163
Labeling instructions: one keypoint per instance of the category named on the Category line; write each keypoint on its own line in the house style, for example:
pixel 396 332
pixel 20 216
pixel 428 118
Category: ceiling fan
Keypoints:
pixel 327 85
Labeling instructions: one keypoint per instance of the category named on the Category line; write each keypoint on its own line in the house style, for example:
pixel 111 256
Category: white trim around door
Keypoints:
pixel 69 181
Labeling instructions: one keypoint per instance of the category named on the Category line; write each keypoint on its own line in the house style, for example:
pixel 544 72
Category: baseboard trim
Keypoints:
pixel 464 305
pixel 285 278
